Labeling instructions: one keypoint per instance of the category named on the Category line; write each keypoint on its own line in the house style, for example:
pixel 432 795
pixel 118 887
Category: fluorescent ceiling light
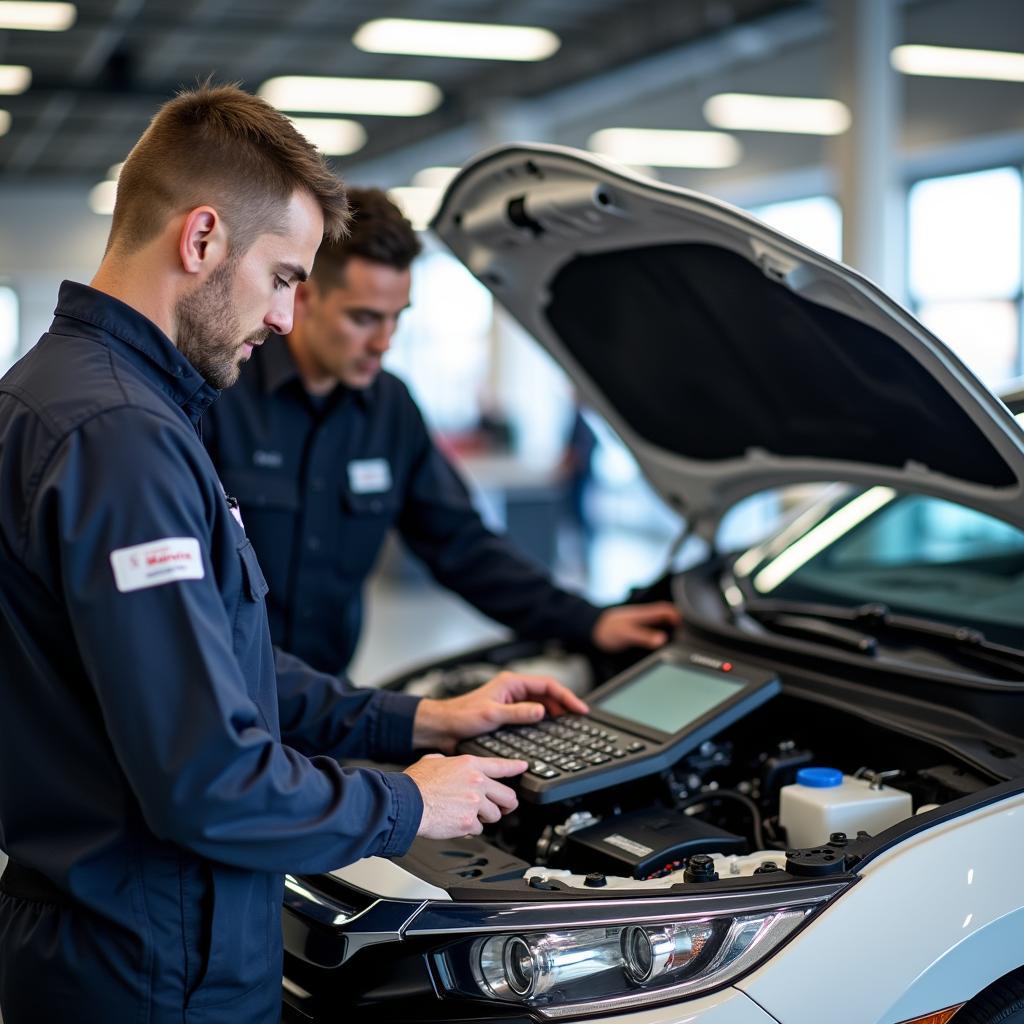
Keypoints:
pixel 5 122
pixel 389 96
pixel 661 147
pixel 335 136
pixel 953 62
pixel 114 171
pixel 419 204
pixel 456 39
pixel 14 78
pixel 800 115
pixel 434 177
pixel 36 16
pixel 102 196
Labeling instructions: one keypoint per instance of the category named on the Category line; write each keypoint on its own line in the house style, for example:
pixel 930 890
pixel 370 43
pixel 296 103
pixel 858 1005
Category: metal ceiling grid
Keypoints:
pixel 96 85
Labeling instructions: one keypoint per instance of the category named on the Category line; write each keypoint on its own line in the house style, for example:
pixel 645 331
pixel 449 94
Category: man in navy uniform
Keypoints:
pixel 161 765
pixel 328 453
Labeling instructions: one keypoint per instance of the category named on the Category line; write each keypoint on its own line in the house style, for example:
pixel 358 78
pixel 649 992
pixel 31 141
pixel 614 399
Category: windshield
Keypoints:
pixel 919 555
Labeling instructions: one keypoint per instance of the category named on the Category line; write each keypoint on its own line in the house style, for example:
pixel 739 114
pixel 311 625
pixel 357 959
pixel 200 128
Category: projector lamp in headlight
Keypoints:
pixel 528 967
pixel 652 952
pixel 613 967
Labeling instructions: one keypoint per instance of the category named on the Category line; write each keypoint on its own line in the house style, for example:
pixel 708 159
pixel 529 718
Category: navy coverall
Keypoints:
pixel 159 762
pixel 322 485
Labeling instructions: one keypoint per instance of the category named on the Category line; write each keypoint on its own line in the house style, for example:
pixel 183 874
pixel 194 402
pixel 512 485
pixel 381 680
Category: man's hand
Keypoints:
pixel 508 699
pixel 635 625
pixel 461 794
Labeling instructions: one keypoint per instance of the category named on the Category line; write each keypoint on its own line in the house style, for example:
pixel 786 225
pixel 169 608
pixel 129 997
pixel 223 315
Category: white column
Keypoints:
pixel 866 156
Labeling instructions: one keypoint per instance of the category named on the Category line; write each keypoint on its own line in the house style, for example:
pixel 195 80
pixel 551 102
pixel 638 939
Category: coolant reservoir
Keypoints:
pixel 824 800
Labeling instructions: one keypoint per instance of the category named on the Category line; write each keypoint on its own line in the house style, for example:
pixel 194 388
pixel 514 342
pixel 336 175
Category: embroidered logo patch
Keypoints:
pixel 369 476
pixel 157 562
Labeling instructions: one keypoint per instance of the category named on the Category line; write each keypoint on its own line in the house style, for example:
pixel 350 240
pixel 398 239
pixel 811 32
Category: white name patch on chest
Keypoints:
pixel 157 562
pixel 369 476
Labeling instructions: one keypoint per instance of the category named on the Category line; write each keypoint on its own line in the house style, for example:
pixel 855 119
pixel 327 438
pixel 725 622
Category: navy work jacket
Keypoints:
pixel 320 486
pixel 161 765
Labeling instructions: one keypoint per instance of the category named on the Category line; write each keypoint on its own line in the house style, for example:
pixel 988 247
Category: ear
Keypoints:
pixel 202 242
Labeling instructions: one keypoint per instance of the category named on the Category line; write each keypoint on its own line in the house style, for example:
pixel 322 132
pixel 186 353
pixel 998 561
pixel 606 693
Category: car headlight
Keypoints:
pixel 620 965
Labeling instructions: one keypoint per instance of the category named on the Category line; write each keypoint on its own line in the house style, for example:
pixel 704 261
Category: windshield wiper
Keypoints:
pixel 849 627
pixel 812 627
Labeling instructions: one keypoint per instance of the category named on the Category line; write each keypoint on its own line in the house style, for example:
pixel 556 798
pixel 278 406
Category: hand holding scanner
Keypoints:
pixel 640 722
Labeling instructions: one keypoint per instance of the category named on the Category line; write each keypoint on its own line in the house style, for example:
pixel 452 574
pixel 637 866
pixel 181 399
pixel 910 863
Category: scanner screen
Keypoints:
pixel 670 697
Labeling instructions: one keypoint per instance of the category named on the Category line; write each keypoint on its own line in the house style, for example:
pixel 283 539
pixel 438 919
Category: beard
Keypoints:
pixel 209 331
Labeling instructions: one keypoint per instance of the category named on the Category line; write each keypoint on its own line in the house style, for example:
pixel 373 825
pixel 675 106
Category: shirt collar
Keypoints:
pixel 278 368
pixel 178 377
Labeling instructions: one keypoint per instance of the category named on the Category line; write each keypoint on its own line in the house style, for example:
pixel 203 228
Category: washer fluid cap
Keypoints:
pixel 819 778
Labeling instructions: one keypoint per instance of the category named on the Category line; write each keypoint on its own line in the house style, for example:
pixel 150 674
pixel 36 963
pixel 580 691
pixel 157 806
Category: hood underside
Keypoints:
pixel 727 356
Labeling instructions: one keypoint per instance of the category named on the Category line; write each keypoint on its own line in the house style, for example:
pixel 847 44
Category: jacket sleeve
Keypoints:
pixel 325 714
pixel 200 758
pixel 441 526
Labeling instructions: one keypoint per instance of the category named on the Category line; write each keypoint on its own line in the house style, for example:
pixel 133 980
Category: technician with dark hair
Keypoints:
pixel 327 453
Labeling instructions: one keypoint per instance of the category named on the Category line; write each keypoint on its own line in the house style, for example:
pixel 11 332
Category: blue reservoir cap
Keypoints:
pixel 819 778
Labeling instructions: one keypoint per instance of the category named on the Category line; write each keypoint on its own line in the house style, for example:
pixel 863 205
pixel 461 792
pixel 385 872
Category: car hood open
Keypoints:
pixel 729 357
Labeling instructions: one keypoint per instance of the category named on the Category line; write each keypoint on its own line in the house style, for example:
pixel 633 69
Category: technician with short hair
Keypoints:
pixel 161 766
pixel 327 453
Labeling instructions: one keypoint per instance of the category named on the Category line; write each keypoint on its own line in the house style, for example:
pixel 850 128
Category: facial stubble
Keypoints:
pixel 209 330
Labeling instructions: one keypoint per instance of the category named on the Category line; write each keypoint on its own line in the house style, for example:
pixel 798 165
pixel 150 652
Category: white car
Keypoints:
pixel 808 808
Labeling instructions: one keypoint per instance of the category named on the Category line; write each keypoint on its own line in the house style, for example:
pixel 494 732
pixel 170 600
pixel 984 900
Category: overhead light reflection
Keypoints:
pixel 434 177
pixel 320 95
pixel 456 39
pixel 102 196
pixel 419 204
pixel 661 147
pixel 798 115
pixel 955 62
pixel 14 79
pixel 36 15
pixel 335 136
pixel 825 533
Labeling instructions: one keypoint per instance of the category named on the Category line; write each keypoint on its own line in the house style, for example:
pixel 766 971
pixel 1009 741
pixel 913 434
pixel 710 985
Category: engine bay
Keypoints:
pixel 783 789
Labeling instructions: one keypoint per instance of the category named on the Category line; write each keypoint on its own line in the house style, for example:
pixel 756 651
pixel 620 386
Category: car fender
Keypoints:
pixel 930 923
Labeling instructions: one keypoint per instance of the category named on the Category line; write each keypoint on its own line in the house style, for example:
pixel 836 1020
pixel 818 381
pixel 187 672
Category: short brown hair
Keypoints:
pixel 378 232
pixel 220 146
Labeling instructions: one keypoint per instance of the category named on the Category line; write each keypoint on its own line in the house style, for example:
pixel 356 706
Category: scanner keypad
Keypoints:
pixel 557 746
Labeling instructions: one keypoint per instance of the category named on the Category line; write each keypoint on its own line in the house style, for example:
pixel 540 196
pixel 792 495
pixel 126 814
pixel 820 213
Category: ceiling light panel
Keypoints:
pixel 661 147
pixel 953 62
pixel 33 16
pixel 434 177
pixel 102 197
pixel 417 203
pixel 388 96
pixel 456 39
pixel 5 122
pixel 14 79
pixel 334 136
pixel 798 115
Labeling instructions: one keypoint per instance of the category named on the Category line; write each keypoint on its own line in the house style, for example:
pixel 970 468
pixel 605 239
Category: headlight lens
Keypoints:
pixel 596 970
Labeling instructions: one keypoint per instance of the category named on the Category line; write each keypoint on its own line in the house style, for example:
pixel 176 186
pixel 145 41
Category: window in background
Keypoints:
pixel 964 265
pixel 8 327
pixel 816 221
pixel 441 346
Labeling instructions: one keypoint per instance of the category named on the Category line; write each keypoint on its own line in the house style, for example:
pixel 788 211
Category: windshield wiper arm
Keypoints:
pixel 812 627
pixel 878 619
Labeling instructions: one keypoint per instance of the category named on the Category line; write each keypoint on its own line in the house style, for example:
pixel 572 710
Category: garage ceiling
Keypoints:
pixel 96 85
